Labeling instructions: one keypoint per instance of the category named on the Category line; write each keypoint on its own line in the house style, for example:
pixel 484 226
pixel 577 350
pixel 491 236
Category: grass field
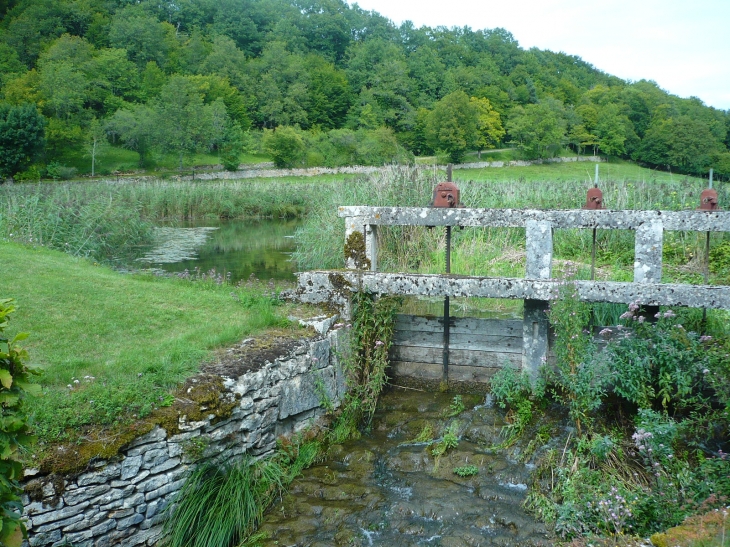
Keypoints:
pixel 112 346
pixel 115 158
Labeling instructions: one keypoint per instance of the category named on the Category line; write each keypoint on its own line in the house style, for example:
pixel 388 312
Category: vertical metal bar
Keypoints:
pixel 447 314
pixel 593 257
pixel 707 266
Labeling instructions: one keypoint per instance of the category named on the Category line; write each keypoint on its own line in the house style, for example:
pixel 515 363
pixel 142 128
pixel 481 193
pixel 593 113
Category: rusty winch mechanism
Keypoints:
pixel 594 199
pixel 446 194
pixel 708 200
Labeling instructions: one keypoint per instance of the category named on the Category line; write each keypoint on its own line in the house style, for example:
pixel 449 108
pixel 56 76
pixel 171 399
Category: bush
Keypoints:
pixel 285 145
pixel 15 386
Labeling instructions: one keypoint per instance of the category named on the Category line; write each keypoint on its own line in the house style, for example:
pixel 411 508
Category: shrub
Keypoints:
pixel 15 386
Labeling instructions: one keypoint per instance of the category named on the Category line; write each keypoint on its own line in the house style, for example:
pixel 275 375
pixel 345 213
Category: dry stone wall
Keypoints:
pixel 121 501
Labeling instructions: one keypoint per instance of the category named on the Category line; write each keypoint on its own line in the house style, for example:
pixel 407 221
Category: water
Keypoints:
pixel 240 248
pixel 386 490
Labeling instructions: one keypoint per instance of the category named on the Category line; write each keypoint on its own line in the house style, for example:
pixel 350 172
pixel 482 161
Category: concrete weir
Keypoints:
pixel 537 288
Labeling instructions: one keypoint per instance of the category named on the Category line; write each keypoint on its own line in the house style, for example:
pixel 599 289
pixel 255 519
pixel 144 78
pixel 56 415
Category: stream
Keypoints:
pixel 384 489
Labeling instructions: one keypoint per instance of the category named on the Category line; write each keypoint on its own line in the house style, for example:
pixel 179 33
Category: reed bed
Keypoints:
pixel 107 221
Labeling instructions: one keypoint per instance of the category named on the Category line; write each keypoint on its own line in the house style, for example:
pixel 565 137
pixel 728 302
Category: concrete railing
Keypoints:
pixel 537 287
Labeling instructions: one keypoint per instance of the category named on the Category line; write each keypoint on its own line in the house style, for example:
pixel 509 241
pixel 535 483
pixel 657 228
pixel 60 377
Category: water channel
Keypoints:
pixel 386 489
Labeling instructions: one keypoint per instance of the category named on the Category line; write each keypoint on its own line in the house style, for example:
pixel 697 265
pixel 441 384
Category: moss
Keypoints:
pixel 36 487
pixel 355 250
pixel 101 444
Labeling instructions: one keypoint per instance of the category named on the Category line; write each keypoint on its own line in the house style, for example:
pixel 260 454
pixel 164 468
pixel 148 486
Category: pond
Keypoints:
pixel 238 248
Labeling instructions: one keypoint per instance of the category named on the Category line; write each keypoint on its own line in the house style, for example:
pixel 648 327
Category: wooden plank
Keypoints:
pixel 474 342
pixel 428 371
pixel 495 327
pixel 456 356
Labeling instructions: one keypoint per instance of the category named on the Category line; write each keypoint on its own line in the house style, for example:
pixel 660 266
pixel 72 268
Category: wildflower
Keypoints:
pixel 641 318
pixel 605 332
pixel 705 338
pixel 705 371
pixel 76 382
pixel 379 343
pixel 669 313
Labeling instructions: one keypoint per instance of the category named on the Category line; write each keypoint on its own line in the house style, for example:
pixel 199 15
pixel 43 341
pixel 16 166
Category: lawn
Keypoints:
pixel 112 346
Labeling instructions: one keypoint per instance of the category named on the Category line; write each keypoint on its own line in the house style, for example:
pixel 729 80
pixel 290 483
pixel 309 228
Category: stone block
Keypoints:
pixel 132 520
pixel 130 467
pixel 111 471
pixel 61 514
pixel 300 394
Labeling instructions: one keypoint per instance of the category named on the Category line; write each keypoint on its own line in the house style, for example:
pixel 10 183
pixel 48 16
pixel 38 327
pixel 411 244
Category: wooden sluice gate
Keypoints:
pixel 476 348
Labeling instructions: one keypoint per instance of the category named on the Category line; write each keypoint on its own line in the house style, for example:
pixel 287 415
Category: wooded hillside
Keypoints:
pixel 328 84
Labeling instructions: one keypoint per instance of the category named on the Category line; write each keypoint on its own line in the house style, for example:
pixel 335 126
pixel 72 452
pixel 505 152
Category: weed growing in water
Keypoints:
pixel 448 441
pixel 466 470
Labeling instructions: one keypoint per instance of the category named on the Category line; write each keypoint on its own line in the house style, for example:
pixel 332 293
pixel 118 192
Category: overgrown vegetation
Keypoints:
pixel 221 504
pixel 652 421
pixel 16 384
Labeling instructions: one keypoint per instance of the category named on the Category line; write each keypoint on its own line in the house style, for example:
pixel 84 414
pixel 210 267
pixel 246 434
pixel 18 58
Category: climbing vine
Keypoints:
pixel 15 386
pixel 366 361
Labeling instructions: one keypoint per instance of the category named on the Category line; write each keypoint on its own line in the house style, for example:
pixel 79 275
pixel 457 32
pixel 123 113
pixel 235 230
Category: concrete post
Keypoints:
pixel 648 258
pixel 535 324
pixel 371 246
pixel 352 224
pixel 648 252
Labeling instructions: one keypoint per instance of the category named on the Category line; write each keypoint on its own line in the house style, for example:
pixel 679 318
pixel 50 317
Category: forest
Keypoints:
pixel 312 82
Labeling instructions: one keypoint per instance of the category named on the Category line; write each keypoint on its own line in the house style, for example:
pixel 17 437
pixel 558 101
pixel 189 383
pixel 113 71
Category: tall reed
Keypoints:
pixel 494 251
pixel 107 220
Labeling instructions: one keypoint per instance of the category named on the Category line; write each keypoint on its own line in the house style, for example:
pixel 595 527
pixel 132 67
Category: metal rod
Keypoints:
pixel 447 328
pixel 707 266
pixel 595 181
pixel 593 257
pixel 447 318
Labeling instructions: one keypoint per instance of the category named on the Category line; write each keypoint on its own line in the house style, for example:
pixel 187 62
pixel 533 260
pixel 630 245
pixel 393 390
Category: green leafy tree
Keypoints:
pixel 489 124
pixel 96 142
pixel 182 123
pixel 15 387
pixel 537 128
pixel 285 145
pixel 134 127
pixel 681 142
pixel 21 137
pixel 453 125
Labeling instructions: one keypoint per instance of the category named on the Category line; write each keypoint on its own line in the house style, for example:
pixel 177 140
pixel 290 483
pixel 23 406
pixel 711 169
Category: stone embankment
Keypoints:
pixel 121 501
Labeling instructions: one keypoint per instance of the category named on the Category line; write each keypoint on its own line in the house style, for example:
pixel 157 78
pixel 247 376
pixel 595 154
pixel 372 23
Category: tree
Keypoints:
pixel 134 126
pixel 681 142
pixel 182 122
pixel 96 142
pixel 453 125
pixel 285 145
pixel 489 124
pixel 21 137
pixel 537 129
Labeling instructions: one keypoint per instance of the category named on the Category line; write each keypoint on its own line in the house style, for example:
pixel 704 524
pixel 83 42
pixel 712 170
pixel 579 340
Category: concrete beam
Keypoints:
pixel 702 221
pixel 337 285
